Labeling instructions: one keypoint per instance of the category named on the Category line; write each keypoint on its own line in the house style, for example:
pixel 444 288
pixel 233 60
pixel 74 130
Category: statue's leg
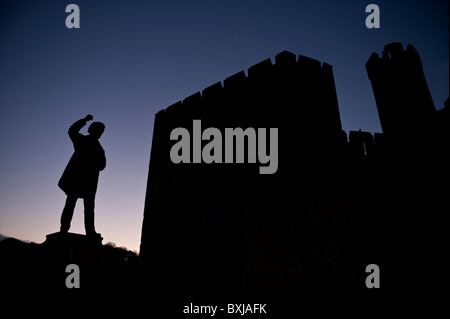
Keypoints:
pixel 67 213
pixel 89 206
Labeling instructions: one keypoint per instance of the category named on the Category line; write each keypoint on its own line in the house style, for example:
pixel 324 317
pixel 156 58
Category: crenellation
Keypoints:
pixel 193 99
pixel 212 100
pixel 372 65
pixel 175 107
pixel 361 143
pixel 213 92
pixel 192 105
pixel 308 65
pixel 309 80
pixel 260 71
pixel 285 59
pixel 235 81
pixel 263 77
pixel 414 58
pixel 393 51
pixel 330 101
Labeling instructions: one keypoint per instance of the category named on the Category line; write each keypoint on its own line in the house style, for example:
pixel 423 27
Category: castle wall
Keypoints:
pixel 333 206
pixel 224 228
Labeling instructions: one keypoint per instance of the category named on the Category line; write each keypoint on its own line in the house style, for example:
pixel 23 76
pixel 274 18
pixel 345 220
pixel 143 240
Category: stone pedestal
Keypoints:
pixel 87 252
pixel 61 239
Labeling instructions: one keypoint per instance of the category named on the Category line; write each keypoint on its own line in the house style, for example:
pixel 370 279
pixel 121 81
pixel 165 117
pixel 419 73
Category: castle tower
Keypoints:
pixel 401 92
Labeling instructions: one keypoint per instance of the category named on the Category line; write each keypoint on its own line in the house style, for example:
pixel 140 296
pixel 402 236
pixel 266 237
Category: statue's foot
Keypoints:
pixel 64 230
pixel 94 234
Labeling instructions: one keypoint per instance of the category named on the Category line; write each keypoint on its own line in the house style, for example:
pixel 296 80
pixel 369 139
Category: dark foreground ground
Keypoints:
pixel 33 281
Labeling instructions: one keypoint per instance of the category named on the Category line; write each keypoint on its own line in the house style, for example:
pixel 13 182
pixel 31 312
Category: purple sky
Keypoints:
pixel 130 59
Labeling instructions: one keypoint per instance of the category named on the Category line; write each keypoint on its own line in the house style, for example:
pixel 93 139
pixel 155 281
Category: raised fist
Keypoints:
pixel 88 117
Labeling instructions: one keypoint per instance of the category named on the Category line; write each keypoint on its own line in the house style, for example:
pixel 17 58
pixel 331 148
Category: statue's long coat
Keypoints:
pixel 80 178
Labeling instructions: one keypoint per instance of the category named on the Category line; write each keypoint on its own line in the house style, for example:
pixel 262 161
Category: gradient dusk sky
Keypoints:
pixel 130 59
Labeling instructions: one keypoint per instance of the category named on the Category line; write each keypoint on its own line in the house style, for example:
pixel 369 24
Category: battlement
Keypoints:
pixel 393 55
pixel 313 79
pixel 401 91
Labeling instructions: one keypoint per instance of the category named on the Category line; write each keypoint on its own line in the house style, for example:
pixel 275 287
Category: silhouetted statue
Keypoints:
pixel 80 178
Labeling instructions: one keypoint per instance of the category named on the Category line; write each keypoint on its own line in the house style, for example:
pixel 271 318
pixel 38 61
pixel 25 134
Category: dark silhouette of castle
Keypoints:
pixel 335 204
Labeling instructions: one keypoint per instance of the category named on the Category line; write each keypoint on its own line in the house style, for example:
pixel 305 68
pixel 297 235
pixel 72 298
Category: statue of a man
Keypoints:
pixel 80 178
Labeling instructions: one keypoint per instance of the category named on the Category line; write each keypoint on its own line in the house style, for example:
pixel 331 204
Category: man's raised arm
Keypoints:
pixel 77 126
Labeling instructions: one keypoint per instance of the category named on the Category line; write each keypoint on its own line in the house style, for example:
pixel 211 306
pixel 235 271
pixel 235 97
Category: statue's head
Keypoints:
pixel 96 129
